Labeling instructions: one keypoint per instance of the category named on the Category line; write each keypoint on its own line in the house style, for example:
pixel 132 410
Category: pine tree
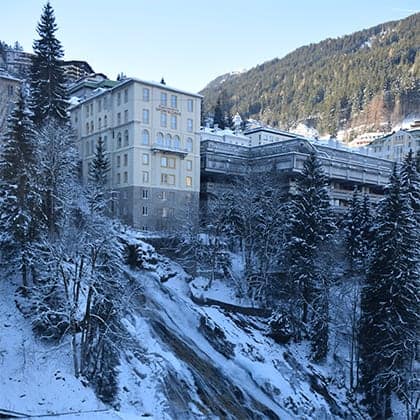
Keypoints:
pixel 19 197
pixel 98 177
pixel 48 92
pixel 389 303
pixel 357 240
pixel 410 184
pixel 310 225
pixel 218 116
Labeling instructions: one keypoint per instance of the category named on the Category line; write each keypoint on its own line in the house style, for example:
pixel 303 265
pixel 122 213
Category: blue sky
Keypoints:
pixel 190 42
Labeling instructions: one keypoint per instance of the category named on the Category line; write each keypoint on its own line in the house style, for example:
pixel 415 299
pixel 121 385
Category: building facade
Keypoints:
pixel 9 91
pixel 150 132
pixel 222 162
pixel 395 146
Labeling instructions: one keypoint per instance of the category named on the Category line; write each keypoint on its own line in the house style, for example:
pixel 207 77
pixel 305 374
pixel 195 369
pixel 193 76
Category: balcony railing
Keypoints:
pixel 156 147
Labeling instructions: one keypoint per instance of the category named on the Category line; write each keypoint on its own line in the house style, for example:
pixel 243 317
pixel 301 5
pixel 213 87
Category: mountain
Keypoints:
pixel 369 80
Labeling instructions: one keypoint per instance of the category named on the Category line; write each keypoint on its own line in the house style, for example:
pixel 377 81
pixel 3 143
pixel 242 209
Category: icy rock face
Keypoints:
pixel 216 337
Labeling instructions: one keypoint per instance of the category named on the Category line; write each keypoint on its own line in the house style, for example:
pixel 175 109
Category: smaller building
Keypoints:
pixel 395 146
pixel 266 135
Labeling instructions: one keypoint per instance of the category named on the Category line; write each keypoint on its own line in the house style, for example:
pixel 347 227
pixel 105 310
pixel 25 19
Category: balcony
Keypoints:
pixel 156 147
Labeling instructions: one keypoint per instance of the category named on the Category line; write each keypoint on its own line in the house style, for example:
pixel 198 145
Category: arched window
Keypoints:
pixel 105 121
pixel 177 142
pixel 145 137
pixel 189 144
pixel 168 140
pixel 125 137
pixel 119 141
pixel 159 139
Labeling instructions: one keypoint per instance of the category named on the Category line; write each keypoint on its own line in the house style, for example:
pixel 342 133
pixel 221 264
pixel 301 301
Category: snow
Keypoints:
pixel 37 378
pixel 156 378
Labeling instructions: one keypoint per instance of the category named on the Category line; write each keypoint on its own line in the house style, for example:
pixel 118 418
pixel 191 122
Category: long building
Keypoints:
pixel 396 145
pixel 150 132
pixel 9 90
pixel 223 160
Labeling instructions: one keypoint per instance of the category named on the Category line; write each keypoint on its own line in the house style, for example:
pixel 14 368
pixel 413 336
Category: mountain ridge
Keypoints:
pixel 369 79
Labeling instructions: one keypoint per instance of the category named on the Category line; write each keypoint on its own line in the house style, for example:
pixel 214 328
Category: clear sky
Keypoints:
pixel 190 42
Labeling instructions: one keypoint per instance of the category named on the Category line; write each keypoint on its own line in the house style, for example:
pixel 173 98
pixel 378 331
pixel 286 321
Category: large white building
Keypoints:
pixel 150 132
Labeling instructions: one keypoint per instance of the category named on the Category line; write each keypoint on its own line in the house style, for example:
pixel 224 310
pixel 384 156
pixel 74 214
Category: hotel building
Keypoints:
pixel 150 133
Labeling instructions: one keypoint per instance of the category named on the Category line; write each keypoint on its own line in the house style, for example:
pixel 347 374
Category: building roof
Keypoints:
pixel 159 85
pixel 270 130
pixel 112 85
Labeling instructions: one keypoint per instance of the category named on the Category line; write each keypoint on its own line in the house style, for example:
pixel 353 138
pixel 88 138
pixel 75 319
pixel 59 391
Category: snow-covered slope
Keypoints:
pixel 179 360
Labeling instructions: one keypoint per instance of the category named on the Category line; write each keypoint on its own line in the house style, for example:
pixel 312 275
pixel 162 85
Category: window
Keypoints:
pixel 91 109
pixel 163 118
pixel 126 116
pixel 167 179
pixel 146 94
pixel 168 140
pixel 119 141
pixel 119 118
pixel 105 102
pixel 125 177
pixel 189 165
pixel 105 143
pixel 99 123
pixel 105 121
pixel 87 110
pixel 164 195
pixel 167 212
pixel 125 159
pixel 10 90
pixel 145 176
pixel 126 141
pixel 119 98
pixel 163 99
pixel 145 137
pixel 173 122
pixel 125 96
pixel 145 116
pixel 145 159
pixel 174 101
pixel 118 161
pixel 118 178
pixel 87 128
pixel 91 127
pixel 188 181
pixel 166 162
pixel 190 125
pixel 190 105
pixel 145 211
pixel 99 105
pixel 87 148
pixel 159 139
pixel 189 144
pixel 177 142
pixel 145 194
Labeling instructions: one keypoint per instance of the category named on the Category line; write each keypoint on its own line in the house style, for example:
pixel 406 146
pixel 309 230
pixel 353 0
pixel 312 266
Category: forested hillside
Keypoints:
pixel 367 80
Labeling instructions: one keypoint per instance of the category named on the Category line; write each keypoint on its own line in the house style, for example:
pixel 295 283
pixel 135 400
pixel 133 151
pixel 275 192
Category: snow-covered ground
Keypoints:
pixel 179 360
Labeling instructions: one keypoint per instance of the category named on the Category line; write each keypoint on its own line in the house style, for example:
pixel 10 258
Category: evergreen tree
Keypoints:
pixel 19 197
pixel 228 120
pixel 218 116
pixel 410 184
pixel 48 92
pixel 98 177
pixel 310 225
pixel 357 229
pixel 389 303
pixel 357 240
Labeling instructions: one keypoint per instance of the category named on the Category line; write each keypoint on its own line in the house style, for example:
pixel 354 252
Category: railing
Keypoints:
pixel 156 147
